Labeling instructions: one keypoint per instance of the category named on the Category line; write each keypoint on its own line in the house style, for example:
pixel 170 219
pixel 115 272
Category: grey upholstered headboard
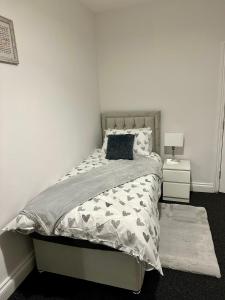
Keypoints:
pixel 134 119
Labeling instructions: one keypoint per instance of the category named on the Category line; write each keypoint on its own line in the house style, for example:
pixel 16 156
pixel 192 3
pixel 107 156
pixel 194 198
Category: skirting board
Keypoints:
pixel 202 187
pixel 10 284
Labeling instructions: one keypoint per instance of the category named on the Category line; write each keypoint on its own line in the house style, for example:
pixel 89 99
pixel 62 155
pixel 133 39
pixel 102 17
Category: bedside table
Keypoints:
pixel 177 181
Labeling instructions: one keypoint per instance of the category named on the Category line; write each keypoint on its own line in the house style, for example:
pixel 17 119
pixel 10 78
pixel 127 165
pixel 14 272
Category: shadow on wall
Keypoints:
pixel 14 249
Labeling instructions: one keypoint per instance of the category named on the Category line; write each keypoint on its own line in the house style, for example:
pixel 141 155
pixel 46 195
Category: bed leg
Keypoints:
pixel 136 292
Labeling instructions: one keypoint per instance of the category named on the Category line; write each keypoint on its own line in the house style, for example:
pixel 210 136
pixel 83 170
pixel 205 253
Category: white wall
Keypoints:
pixel 166 55
pixel 49 110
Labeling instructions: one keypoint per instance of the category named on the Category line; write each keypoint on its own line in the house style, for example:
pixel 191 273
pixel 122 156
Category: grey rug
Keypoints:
pixel 185 240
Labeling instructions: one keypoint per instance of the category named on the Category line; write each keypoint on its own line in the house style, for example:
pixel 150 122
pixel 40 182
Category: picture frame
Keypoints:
pixel 8 49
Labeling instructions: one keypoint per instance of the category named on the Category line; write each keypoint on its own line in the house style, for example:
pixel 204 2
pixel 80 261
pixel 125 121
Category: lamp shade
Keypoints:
pixel 174 139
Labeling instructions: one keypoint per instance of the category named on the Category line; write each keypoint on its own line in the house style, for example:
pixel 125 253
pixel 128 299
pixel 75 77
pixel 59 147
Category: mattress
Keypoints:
pixel 71 242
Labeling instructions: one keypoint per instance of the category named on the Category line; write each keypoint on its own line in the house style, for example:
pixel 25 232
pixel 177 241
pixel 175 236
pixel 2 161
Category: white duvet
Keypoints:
pixel 124 218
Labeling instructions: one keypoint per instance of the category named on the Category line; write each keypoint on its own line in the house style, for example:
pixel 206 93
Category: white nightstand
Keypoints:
pixel 176 181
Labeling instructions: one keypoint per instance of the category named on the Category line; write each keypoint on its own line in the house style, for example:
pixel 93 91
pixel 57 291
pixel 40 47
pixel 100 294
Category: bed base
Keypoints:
pixel 112 268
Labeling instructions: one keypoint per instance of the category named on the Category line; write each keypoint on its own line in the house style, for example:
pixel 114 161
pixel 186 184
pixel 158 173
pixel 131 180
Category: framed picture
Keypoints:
pixel 8 51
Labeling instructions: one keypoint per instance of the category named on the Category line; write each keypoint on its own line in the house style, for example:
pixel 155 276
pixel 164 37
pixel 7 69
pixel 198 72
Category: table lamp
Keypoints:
pixel 174 140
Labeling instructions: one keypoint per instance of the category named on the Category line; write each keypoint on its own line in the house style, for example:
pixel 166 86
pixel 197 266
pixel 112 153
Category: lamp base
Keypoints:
pixel 172 161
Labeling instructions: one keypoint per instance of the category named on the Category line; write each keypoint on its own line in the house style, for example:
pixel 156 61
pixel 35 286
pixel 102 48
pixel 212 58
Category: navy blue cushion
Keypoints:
pixel 120 146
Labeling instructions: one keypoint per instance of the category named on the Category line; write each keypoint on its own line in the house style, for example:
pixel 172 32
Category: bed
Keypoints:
pixel 79 254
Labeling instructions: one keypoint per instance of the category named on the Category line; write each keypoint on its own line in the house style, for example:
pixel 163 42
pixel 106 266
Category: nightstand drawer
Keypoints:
pixel 176 176
pixel 176 190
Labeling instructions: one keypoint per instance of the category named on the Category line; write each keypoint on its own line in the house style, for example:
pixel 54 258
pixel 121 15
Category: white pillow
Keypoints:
pixel 142 140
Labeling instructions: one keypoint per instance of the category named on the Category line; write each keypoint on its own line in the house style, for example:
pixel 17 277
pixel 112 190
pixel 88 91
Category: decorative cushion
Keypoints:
pixel 142 141
pixel 120 146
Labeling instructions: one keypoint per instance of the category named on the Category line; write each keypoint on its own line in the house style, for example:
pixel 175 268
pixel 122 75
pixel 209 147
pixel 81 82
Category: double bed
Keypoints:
pixel 113 237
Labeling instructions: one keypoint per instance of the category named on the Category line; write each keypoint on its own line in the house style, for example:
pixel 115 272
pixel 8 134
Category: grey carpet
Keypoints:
pixel 185 240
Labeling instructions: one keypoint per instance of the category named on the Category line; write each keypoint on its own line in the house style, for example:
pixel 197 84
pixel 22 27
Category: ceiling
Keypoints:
pixel 104 5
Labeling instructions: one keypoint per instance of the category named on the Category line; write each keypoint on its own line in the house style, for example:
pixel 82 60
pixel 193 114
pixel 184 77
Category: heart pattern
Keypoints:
pixel 86 218
pixel 150 230
pixel 146 236
pixel 71 222
pixel 139 223
pixel 108 213
pixel 138 142
pixel 81 208
pixel 115 223
pixel 142 204
pixel 88 236
pixel 139 195
pixel 133 186
pixel 125 213
pixel 151 198
pixel 130 236
pixel 19 217
pixel 96 208
pixel 99 227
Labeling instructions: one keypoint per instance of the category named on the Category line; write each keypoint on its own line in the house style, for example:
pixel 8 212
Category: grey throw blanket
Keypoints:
pixel 49 206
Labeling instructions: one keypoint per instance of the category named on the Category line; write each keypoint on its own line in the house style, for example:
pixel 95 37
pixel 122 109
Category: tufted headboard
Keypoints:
pixel 134 119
